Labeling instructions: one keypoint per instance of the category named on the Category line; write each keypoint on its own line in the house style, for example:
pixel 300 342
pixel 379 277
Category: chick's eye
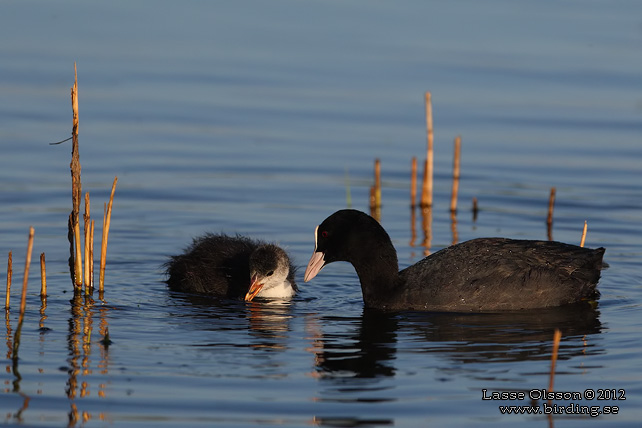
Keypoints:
pixel 270 273
pixel 324 233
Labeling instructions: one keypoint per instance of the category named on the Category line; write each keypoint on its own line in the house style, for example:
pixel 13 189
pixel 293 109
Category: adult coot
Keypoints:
pixel 221 265
pixel 486 274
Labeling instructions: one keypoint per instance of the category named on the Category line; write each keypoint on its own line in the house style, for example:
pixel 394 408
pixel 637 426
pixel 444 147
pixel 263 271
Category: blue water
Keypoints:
pixel 252 117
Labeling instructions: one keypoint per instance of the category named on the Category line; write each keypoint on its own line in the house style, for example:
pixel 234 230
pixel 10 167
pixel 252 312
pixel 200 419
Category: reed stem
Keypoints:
pixel 105 237
pixel 7 299
pixel 23 301
pixel 549 219
pixel 87 226
pixel 76 187
pixel 43 276
pixel 427 187
pixel 551 204
pixel 91 255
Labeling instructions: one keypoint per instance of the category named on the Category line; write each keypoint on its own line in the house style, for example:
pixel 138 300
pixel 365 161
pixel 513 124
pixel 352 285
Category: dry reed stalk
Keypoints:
pixel 23 301
pixel 549 219
pixel 456 164
pixel 43 276
pixel 551 204
pixel 413 182
pixel 91 255
pixel 475 209
pixel 87 225
pixel 413 227
pixel 426 190
pixel 584 234
pixel 453 227
pixel 557 336
pixel 7 299
pixel 105 237
pixel 377 172
pixel 76 188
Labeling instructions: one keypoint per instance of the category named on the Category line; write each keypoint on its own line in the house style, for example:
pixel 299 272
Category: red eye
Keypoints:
pixel 324 234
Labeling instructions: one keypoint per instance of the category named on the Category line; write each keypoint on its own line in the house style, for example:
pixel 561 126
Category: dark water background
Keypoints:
pixel 247 117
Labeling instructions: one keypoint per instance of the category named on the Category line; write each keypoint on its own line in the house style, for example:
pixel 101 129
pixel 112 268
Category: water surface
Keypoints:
pixel 247 118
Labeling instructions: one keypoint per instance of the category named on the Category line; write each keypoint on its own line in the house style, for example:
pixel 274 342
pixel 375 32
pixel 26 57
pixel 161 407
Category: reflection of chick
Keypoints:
pixel 226 266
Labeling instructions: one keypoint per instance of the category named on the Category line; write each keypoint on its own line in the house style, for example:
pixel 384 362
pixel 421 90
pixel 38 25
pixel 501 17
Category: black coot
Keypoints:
pixel 226 266
pixel 486 274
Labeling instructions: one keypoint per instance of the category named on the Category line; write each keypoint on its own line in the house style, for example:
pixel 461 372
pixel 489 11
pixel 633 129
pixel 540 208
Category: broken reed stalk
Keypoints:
pixel 91 255
pixel 426 190
pixel 557 336
pixel 549 219
pixel 105 237
pixel 551 204
pixel 377 187
pixel 43 276
pixel 7 299
pixel 584 234
pixel 23 301
pixel 413 182
pixel 76 188
pixel 87 226
pixel 456 163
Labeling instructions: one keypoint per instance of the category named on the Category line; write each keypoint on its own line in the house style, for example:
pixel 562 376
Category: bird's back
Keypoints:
pixel 213 264
pixel 490 274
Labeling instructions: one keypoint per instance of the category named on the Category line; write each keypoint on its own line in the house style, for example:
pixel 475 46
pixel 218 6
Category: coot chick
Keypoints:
pixel 485 274
pixel 234 267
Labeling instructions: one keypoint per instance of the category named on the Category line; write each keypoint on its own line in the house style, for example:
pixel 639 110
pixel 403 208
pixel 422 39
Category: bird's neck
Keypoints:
pixel 378 272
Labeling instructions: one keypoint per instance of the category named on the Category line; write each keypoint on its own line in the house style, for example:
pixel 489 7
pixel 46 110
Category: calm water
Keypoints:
pixel 247 117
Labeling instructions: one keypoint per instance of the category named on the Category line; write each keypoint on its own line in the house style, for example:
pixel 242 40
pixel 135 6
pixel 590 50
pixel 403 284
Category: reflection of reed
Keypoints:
pixel 413 182
pixel 8 339
pixel 453 227
pixel 426 223
pixel 456 163
pixel 475 210
pixel 73 344
pixel 314 335
pixel 413 227
pixel 80 351
pixel 43 316
pixel 16 338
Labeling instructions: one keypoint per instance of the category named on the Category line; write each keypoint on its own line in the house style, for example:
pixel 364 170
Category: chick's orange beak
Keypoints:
pixel 255 288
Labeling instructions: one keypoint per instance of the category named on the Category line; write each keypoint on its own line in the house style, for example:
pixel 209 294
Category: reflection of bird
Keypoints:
pixel 226 266
pixel 486 274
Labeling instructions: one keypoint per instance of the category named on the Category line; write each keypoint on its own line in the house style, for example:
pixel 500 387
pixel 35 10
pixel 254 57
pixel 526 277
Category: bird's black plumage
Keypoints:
pixel 485 274
pixel 222 265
